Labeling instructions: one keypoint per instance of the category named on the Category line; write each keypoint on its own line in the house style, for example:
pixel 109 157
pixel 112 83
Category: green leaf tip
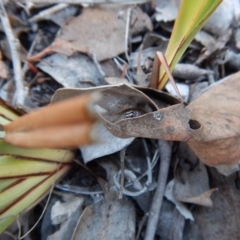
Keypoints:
pixel 191 18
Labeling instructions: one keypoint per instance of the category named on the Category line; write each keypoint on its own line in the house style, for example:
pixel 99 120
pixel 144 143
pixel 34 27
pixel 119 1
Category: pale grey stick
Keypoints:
pixel 14 48
pixel 149 169
pixel 165 151
pixel 25 66
pixel 122 158
pixel 48 12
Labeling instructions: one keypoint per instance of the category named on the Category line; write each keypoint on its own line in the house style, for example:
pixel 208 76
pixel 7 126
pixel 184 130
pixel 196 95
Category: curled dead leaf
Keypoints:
pixel 222 219
pixel 210 124
pixel 202 199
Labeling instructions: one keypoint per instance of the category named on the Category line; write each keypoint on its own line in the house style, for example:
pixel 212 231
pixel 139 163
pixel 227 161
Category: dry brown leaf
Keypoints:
pixel 217 110
pixel 122 102
pixel 221 221
pixel 202 199
pixel 191 180
pixel 98 30
pixel 210 124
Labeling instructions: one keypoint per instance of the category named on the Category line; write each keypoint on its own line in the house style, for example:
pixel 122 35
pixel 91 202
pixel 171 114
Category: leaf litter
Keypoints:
pixel 98 42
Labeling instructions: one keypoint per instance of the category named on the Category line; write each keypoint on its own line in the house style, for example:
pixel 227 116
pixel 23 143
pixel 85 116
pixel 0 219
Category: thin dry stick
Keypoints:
pixel 141 225
pixel 77 189
pixel 164 63
pixel 48 12
pixel 122 157
pixel 165 157
pixel 14 47
pixel 149 169
pixel 132 177
pixel 97 64
pixel 128 22
pixel 25 66
pixel 127 35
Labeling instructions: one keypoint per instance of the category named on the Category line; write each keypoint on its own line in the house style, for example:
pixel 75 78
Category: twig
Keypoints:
pixel 165 157
pixel 117 60
pixel 97 64
pixel 148 172
pixel 164 63
pixel 136 180
pixel 127 36
pixel 140 225
pixel 14 48
pixel 122 157
pixel 211 79
pixel 149 169
pixel 48 12
pixel 127 32
pixel 26 7
pixel 132 177
pixel 77 189
pixel 25 66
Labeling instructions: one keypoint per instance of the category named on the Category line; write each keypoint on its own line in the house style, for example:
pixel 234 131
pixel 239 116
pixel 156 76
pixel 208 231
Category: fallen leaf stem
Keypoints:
pixel 14 49
pixel 165 151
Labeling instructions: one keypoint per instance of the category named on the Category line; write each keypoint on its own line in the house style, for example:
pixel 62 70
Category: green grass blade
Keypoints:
pixel 12 166
pixel 191 18
pixel 27 196
pixel 9 195
pixel 5 183
pixel 26 175
pixel 58 155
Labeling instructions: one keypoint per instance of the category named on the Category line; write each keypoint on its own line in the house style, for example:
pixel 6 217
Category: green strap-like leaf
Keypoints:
pixel 55 155
pixel 191 18
pixel 28 192
pixel 26 175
